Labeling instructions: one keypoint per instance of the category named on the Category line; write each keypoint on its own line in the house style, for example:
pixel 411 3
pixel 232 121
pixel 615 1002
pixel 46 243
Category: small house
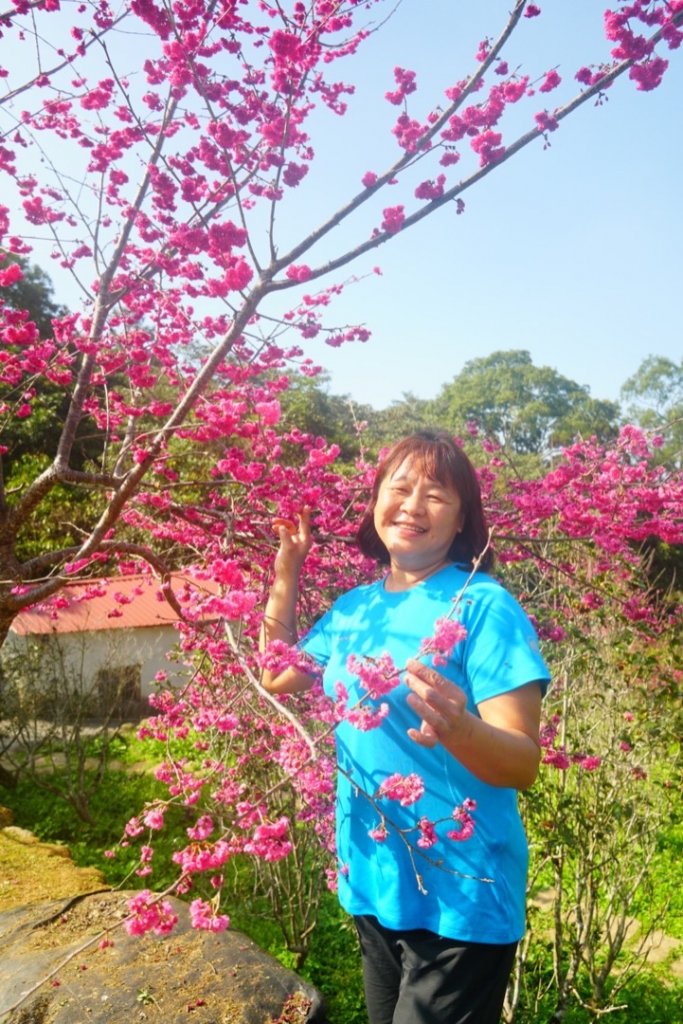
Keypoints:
pixel 101 641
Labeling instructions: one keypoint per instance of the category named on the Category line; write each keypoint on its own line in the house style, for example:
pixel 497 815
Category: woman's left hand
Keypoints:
pixel 499 744
pixel 441 705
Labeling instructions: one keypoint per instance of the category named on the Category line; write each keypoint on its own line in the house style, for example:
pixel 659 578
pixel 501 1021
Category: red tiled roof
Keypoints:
pixel 121 602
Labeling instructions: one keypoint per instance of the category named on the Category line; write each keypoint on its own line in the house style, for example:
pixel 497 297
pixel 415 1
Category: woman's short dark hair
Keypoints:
pixel 435 453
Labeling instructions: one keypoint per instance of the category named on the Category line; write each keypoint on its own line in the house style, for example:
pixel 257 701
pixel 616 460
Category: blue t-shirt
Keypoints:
pixel 500 653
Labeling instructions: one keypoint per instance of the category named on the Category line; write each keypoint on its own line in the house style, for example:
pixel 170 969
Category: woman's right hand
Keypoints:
pixel 295 543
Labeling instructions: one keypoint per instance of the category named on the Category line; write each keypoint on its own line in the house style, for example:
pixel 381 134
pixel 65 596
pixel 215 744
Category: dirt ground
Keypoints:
pixel 31 871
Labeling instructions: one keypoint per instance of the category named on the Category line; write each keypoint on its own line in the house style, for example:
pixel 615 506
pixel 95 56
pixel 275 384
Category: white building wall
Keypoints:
pixel 81 657
pixel 147 647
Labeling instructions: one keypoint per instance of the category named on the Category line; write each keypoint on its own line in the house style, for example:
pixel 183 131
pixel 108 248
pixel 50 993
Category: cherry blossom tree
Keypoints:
pixel 161 175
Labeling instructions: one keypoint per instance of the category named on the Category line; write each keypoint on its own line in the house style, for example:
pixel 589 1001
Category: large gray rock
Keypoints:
pixel 193 977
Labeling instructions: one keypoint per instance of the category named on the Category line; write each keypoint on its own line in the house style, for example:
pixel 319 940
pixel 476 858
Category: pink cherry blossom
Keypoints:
pixel 550 82
pixel 378 676
pixel 407 789
pixel 394 217
pixel 203 916
pixel 379 833
pixel 448 633
pixel 428 836
pixel 149 913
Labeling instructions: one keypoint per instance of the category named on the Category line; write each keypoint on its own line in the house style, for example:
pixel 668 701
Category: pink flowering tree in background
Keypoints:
pixel 158 149
pixel 578 545
pixel 161 176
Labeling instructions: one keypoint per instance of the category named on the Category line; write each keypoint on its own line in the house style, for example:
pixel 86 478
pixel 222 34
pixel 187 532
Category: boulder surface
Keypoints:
pixel 69 961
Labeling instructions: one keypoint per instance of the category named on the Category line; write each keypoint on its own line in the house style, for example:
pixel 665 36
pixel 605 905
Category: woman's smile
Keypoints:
pixel 409 527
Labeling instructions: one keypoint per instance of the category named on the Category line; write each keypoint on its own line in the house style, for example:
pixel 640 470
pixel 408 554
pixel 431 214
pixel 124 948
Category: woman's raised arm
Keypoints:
pixel 279 619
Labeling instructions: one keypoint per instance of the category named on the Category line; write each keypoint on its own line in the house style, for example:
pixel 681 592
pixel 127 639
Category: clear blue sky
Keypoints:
pixel 573 253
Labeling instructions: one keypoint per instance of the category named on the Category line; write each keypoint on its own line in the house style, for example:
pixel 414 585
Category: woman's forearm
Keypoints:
pixel 280 619
pixel 280 616
pixel 498 756
pixel 280 623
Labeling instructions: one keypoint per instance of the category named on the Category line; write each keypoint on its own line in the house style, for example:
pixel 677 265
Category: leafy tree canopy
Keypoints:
pixel 308 405
pixel 402 417
pixel 654 399
pixel 529 409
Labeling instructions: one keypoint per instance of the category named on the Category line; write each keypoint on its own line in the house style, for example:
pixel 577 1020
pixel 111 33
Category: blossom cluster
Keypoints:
pixel 448 633
pixel 378 676
pixel 279 655
pixel 149 913
pixel 203 916
pixel 404 788
pixel 360 715
pixel 463 817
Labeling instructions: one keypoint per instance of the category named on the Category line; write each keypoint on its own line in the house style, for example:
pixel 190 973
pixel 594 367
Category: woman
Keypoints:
pixel 439 912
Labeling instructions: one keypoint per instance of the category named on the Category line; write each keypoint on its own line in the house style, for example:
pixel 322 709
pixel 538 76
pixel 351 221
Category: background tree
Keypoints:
pixel 528 409
pixel 654 398
pixel 402 417
pixel 308 404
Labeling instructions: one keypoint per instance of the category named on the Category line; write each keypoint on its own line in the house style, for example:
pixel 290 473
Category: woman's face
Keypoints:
pixel 416 517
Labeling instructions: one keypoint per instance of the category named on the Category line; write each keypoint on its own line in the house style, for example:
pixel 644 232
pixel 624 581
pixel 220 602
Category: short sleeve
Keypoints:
pixel 316 643
pixel 501 650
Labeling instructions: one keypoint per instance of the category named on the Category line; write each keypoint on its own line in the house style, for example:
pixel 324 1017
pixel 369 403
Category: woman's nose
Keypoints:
pixel 412 502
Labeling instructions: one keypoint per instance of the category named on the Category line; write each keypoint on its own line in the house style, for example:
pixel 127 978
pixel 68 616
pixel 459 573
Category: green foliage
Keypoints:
pixel 654 399
pixel 398 420
pixel 112 803
pixel 308 405
pixel 529 409
pixel 650 997
pixel 666 885
pixel 333 964
pixel 125 788
pixel 64 513
pixel 604 828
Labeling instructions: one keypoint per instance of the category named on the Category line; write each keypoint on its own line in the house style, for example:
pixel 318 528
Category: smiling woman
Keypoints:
pixel 448 749
pixel 424 489
pixel 417 519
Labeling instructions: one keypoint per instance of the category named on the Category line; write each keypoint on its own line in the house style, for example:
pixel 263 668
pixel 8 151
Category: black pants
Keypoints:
pixel 417 977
